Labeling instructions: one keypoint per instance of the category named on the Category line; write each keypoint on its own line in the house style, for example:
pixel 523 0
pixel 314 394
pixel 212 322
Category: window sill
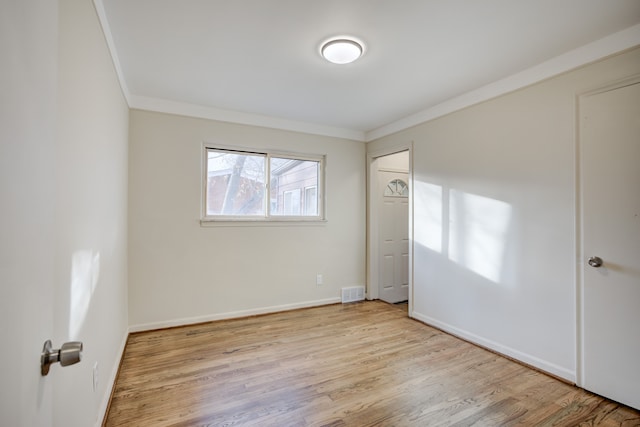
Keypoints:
pixel 262 222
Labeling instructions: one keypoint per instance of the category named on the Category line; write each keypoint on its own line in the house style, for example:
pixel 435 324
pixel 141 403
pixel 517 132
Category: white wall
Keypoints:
pixel 181 271
pixel 495 217
pixel 64 212
pixel 91 215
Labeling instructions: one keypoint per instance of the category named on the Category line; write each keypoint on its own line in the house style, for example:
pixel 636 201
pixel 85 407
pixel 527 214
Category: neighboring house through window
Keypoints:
pixel 311 200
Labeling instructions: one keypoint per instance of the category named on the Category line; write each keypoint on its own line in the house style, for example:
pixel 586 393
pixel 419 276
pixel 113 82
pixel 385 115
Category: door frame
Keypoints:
pixel 580 252
pixel 373 219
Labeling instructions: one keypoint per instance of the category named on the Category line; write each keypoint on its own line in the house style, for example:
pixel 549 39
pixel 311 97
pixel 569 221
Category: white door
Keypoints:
pixel 610 178
pixel 27 191
pixel 393 235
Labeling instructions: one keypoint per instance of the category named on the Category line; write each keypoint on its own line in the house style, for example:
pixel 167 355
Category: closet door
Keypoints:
pixel 609 146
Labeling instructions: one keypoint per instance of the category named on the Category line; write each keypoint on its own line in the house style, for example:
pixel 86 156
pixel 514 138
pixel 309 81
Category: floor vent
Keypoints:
pixel 354 293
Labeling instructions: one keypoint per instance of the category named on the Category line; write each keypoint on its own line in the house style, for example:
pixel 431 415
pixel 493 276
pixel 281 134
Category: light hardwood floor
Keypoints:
pixel 360 364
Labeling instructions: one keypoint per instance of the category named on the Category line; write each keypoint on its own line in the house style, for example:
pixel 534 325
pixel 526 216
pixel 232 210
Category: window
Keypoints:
pixel 396 188
pixel 262 186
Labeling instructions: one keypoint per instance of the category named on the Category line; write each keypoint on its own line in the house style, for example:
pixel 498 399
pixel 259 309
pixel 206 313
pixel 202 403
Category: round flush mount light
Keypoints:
pixel 341 50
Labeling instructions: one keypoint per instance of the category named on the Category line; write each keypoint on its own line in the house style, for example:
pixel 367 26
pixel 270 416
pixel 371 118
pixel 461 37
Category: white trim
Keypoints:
pixel 392 170
pixel 106 30
pixel 411 234
pixel 287 221
pixel 577 168
pixel 230 315
pixel 536 362
pixel 372 290
pixel 609 45
pixel 211 113
pixel 111 382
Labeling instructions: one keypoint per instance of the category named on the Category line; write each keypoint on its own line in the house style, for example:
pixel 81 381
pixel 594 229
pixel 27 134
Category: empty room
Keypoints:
pixel 332 213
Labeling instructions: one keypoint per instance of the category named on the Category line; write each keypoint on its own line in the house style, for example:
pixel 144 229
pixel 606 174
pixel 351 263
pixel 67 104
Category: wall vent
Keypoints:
pixel 353 293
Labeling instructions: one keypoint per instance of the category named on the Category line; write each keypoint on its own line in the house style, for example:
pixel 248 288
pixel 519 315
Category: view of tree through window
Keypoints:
pixel 236 185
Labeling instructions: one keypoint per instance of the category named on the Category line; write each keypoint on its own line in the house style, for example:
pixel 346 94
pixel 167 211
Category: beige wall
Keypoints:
pixel 91 215
pixel 495 217
pixel 181 271
pixel 396 162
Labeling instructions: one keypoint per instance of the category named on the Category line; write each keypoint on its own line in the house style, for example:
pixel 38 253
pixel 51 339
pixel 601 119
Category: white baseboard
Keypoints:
pixel 111 382
pixel 536 362
pixel 230 315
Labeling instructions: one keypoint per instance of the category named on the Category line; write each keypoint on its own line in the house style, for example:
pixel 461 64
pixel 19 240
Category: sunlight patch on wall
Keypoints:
pixel 85 271
pixel 429 198
pixel 478 229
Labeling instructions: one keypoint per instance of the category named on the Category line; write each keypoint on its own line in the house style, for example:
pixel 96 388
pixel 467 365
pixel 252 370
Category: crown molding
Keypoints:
pixel 108 37
pixel 592 52
pixel 204 112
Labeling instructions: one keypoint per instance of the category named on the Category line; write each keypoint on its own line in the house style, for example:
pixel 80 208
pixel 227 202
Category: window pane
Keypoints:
pixel 290 178
pixel 396 188
pixel 235 183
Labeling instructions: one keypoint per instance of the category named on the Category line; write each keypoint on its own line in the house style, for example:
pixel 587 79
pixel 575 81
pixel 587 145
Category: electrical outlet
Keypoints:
pixel 319 279
pixel 95 376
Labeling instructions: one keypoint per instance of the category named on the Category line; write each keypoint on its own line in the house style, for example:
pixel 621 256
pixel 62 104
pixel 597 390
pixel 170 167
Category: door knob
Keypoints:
pixel 595 261
pixel 69 354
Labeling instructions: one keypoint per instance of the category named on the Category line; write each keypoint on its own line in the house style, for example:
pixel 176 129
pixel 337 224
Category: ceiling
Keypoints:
pixel 258 61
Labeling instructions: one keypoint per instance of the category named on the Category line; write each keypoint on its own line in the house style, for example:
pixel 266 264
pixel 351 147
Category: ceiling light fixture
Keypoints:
pixel 341 50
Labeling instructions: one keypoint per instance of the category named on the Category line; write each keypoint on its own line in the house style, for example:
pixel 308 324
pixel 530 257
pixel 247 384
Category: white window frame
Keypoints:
pixel 267 217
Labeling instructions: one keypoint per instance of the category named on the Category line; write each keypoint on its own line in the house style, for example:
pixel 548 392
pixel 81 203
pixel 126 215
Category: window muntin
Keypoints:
pixel 236 186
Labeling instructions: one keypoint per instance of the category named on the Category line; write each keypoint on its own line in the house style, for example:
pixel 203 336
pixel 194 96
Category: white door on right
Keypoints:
pixel 610 186
pixel 394 237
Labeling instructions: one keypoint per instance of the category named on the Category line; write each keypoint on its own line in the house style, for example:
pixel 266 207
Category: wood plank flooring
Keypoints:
pixel 360 364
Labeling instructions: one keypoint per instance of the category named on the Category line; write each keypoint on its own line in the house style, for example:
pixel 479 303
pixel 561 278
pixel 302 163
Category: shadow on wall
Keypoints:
pixel 468 229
